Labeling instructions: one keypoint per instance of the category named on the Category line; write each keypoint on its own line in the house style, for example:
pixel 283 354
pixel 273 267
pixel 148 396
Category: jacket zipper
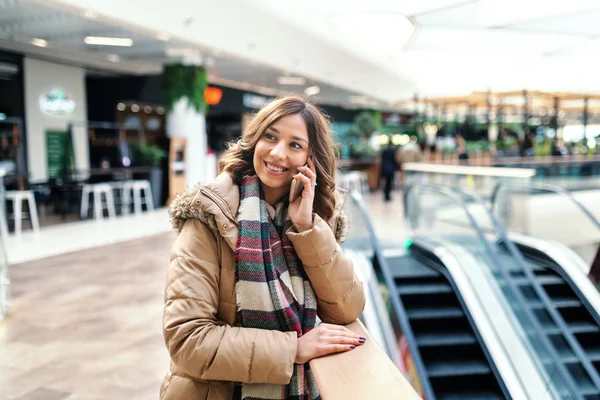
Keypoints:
pixel 219 202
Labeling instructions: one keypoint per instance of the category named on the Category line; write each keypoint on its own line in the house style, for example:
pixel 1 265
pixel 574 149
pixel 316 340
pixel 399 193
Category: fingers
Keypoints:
pixel 304 179
pixel 309 169
pixel 341 335
pixel 337 348
pixel 355 340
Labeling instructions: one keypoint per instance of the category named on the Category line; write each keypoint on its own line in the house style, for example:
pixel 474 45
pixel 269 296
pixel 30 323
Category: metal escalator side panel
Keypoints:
pixel 375 316
pixel 570 263
pixel 523 379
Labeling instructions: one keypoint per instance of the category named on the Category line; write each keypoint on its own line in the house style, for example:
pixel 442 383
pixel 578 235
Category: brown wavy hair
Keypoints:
pixel 237 159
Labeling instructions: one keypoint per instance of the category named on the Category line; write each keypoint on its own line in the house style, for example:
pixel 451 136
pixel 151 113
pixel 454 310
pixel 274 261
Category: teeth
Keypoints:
pixel 274 168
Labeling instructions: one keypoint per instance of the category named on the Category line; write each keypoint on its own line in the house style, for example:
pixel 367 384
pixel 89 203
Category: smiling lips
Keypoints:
pixel 275 167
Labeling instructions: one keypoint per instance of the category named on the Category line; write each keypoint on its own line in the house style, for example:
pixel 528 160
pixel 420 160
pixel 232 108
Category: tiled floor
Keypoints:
pixel 64 238
pixel 87 325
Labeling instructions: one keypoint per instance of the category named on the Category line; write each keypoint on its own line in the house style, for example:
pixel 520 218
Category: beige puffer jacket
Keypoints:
pixel 207 350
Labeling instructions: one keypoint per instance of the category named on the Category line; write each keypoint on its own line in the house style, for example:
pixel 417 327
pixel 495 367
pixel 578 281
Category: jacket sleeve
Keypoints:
pixel 340 295
pixel 201 345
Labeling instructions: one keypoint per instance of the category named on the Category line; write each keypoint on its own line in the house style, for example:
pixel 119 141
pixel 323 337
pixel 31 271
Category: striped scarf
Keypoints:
pixel 272 289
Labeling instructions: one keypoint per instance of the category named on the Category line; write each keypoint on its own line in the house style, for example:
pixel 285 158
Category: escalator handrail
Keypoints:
pixel 541 293
pixel 394 297
pixel 456 195
pixel 546 187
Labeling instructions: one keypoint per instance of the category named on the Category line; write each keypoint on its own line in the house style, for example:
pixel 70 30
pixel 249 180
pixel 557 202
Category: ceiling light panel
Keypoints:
pixel 108 41
pixel 291 80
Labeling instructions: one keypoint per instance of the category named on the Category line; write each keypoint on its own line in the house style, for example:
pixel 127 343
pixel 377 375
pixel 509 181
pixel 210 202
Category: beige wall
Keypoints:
pixel 40 78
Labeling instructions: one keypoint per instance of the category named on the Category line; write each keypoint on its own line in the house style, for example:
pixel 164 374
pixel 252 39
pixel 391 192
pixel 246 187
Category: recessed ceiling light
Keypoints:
pixel 39 42
pixel 135 108
pixel 121 106
pixel 358 99
pixel 108 41
pixel 311 91
pixel 291 80
pixel 147 109
pixel 160 110
pixel 113 58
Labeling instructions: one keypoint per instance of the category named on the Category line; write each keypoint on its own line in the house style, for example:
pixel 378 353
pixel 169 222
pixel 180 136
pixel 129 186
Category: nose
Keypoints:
pixel 278 151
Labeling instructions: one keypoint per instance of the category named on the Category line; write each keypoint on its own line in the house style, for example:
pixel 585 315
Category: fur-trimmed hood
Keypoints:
pixel 216 205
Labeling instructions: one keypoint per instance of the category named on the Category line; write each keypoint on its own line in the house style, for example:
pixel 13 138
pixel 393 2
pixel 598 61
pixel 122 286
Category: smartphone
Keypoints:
pixel 296 189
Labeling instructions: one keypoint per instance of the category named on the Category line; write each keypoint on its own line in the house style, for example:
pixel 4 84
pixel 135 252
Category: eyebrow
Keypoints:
pixel 293 137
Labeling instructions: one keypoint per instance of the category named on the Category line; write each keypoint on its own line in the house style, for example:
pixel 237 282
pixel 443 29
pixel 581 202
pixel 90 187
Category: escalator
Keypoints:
pixel 455 361
pixel 569 322
pixel 457 325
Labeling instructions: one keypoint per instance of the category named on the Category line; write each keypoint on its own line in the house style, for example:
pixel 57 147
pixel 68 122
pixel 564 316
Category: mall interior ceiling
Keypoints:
pixel 379 53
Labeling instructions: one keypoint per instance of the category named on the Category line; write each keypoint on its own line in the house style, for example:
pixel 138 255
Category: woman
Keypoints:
pixel 249 272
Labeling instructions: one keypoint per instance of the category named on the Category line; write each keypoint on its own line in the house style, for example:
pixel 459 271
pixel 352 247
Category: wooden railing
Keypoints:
pixel 363 373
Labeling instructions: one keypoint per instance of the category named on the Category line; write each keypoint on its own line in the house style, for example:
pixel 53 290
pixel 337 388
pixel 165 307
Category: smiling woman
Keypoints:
pixel 251 271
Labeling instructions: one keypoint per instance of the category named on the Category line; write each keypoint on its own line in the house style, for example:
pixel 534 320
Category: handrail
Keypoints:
pixel 467 170
pixel 453 194
pixel 556 317
pixel 544 187
pixel 363 373
pixel 400 312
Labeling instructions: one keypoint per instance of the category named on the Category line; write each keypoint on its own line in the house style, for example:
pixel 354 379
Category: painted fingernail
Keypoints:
pixel 362 340
pixel 353 346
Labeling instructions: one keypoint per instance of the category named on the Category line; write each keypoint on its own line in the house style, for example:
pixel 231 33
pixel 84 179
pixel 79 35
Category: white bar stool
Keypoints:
pixel 124 196
pixel 17 197
pixel 97 190
pixel 137 187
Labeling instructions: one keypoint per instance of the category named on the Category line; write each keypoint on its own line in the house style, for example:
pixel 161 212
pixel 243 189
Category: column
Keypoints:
pixel 184 85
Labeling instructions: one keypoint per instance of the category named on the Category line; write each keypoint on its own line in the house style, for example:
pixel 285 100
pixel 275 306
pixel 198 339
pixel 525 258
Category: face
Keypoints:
pixel 283 147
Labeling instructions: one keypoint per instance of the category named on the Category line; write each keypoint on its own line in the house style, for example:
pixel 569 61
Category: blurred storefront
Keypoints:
pixel 12 114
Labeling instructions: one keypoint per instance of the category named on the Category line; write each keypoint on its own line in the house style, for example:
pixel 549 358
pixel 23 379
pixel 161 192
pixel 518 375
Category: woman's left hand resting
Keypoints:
pixel 301 210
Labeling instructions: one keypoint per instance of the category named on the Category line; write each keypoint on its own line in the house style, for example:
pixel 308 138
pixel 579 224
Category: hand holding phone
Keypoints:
pixel 296 189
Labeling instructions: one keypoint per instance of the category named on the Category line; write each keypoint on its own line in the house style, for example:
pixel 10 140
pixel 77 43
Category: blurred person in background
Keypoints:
pixel 461 148
pixel 559 148
pixel 527 149
pixel 250 271
pixel 409 153
pixel 389 166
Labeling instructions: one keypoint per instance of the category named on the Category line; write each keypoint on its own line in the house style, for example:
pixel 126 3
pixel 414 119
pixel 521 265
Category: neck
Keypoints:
pixel 273 196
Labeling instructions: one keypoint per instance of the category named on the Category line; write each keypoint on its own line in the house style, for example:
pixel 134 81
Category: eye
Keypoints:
pixel 296 145
pixel 268 136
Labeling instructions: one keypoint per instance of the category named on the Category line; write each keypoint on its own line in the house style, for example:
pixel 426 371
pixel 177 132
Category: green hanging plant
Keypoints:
pixel 189 81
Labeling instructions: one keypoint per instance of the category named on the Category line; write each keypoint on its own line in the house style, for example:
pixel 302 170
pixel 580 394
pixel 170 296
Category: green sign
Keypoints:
pixel 59 153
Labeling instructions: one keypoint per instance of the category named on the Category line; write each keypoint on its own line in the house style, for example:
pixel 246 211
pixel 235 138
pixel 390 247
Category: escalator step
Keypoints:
pixel 429 288
pixel 583 327
pixel 444 339
pixel 550 280
pixel 556 302
pixel 409 268
pixel 468 395
pixel 457 367
pixel 594 355
pixel 565 303
pixel 435 313
pixel 542 280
